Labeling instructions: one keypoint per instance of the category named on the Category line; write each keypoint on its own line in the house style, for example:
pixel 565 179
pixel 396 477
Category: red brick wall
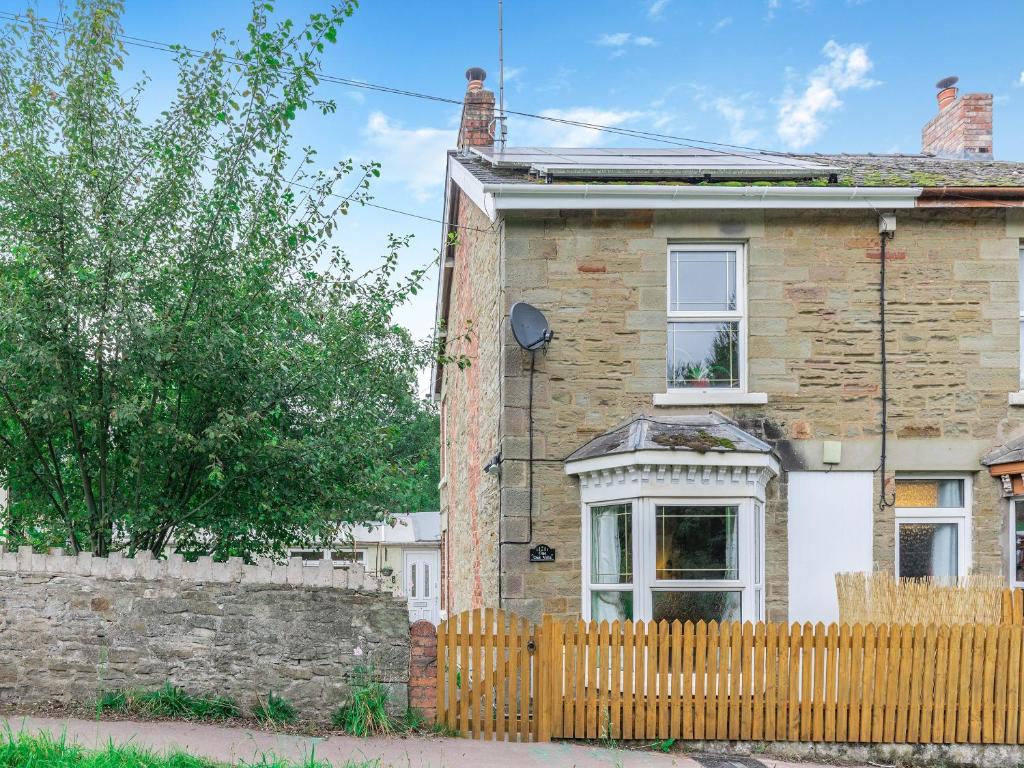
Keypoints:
pixel 423 669
pixel 963 129
pixel 469 498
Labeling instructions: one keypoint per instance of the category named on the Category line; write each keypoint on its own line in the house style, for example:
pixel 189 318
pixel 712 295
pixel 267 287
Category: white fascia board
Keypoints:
pixel 672 459
pixel 472 187
pixel 667 197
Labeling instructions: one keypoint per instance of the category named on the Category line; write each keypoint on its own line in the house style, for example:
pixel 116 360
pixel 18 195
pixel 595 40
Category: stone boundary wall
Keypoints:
pixel 145 567
pixel 72 627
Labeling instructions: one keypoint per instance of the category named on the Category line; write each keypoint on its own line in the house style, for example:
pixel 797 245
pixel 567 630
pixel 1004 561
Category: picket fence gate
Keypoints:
pixel 499 677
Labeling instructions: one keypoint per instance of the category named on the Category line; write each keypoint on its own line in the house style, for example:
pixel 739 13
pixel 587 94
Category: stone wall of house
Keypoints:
pixel 470 411
pixel 600 277
pixel 72 627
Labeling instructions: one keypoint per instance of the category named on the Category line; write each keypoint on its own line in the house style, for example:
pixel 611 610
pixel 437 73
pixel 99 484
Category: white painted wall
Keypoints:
pixel 830 520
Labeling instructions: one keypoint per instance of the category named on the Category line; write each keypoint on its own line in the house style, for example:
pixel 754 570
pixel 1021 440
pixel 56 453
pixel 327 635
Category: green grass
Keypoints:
pixel 367 712
pixel 168 701
pixel 24 750
pixel 665 745
pixel 274 709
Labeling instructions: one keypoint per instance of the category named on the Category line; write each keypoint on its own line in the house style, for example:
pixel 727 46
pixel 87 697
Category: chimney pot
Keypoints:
pixel 946 97
pixel 476 77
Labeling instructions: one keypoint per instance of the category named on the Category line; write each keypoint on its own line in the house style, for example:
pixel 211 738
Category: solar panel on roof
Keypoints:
pixel 650 162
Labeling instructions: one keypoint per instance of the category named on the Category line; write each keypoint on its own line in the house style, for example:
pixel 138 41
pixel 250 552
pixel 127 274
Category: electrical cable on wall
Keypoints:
pixel 532 333
pixel 886 231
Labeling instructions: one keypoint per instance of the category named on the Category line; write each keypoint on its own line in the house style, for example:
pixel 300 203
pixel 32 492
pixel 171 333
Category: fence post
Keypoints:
pixel 423 669
pixel 541 691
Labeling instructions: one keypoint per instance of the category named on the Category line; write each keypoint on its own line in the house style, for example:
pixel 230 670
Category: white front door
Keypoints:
pixel 423 585
pixel 830 522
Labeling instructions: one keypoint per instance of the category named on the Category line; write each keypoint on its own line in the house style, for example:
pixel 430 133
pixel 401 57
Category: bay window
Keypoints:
pixel 672 513
pixel 686 559
pixel 932 528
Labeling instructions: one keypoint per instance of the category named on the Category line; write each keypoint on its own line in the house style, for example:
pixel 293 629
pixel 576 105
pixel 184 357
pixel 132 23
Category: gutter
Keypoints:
pixel 971 197
pixel 503 196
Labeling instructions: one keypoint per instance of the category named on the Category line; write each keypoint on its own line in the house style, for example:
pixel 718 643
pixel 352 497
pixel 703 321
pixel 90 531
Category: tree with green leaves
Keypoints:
pixel 186 354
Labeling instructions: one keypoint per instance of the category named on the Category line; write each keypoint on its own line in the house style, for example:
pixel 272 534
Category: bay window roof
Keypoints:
pixel 703 434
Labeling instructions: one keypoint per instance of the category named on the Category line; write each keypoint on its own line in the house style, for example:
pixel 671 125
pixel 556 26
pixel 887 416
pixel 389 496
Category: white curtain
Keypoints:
pixel 606 607
pixel 731 545
pixel 944 552
pixel 607 559
pixel 951 493
pixel 607 567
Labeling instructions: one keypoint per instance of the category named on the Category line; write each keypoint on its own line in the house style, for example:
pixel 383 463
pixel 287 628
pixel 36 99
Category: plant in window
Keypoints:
pixel 695 374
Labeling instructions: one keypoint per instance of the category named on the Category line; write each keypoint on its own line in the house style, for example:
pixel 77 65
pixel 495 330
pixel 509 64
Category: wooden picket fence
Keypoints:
pixel 1013 606
pixel 500 678
pixel 486 670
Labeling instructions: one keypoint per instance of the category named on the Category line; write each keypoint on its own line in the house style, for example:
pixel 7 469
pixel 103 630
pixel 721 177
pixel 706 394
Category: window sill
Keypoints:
pixel 711 396
pixel 1017 398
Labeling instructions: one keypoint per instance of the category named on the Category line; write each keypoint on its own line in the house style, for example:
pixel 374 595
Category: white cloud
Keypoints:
pixel 1020 80
pixel 413 156
pixel 654 9
pixel 801 116
pixel 512 73
pixel 544 133
pixel 738 112
pixel 722 24
pixel 736 117
pixel 624 39
pixel 356 96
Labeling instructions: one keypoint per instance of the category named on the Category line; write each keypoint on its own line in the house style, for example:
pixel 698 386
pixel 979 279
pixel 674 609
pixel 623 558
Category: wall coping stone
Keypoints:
pixel 144 567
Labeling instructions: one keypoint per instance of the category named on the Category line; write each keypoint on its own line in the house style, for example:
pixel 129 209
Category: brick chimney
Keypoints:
pixel 963 127
pixel 477 126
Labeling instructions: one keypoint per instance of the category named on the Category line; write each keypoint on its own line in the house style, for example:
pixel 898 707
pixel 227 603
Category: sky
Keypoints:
pixel 803 75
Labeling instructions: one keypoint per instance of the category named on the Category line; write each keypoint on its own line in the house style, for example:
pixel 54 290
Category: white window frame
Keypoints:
pixel 960 516
pixel 1012 573
pixel 711 395
pixel 362 557
pixel 750 540
pixel 589 586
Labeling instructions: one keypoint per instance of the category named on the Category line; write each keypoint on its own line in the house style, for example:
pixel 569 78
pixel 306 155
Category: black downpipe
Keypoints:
pixel 883 500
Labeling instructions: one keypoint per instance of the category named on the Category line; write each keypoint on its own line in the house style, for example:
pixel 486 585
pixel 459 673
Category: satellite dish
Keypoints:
pixel 529 326
pixel 947 82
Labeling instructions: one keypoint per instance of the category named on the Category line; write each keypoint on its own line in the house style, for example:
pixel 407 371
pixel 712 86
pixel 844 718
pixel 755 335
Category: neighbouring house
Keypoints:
pixel 403 553
pixel 715 428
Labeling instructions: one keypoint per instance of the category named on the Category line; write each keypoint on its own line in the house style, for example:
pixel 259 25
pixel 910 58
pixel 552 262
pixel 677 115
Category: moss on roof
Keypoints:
pixel 853 171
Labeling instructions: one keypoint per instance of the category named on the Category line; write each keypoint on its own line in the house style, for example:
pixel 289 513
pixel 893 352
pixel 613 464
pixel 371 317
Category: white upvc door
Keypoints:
pixel 423 585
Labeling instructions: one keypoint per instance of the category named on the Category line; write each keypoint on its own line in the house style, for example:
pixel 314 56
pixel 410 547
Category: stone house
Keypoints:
pixel 719 423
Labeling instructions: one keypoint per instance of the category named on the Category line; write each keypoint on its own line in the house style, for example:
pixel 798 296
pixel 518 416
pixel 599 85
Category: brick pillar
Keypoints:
pixel 423 669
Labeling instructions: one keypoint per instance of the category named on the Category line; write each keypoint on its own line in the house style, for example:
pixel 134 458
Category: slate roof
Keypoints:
pixel 409 528
pixel 710 433
pixel 1009 453
pixel 850 170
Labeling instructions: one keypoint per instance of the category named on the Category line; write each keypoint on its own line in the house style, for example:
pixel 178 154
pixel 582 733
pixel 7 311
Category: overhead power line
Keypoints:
pixel 665 138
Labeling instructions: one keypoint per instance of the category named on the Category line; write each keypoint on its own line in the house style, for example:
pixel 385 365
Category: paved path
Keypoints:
pixel 235 744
